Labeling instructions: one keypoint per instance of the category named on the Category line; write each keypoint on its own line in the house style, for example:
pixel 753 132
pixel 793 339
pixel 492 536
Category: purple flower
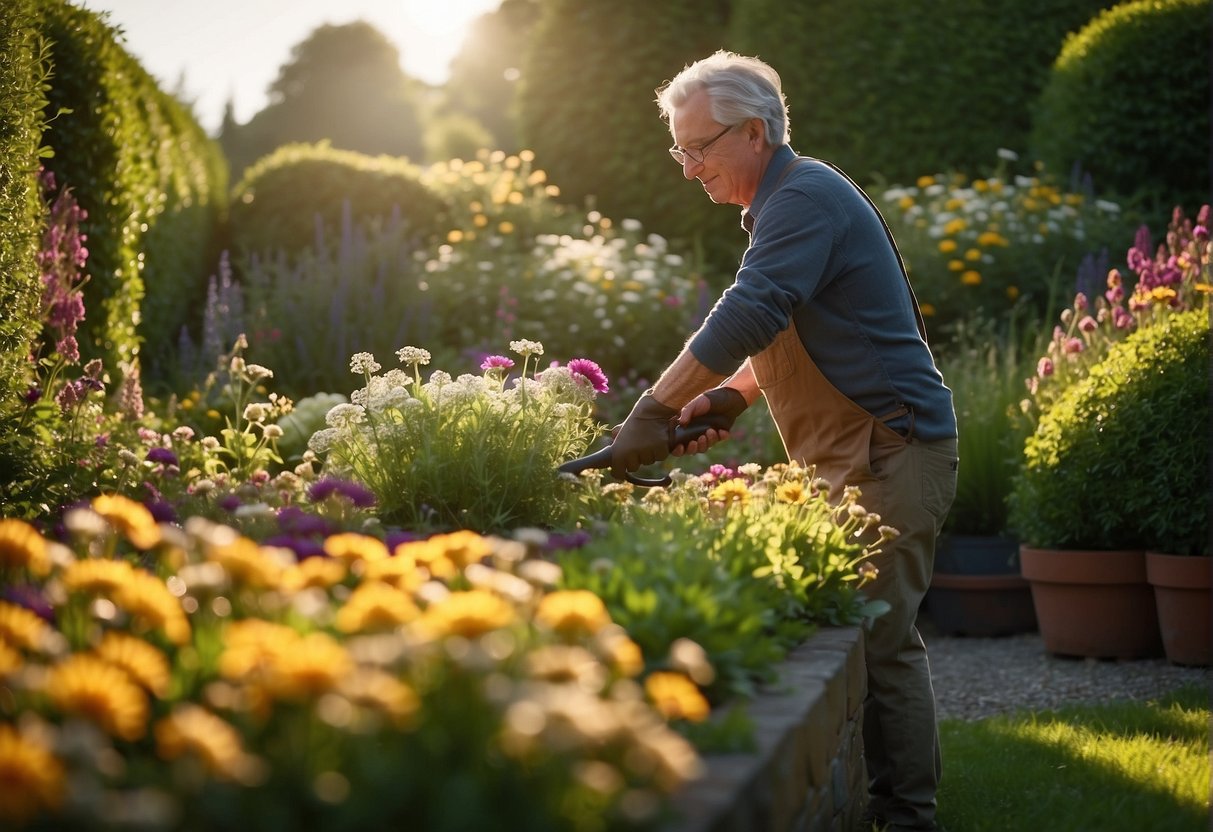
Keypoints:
pixel 293 520
pixel 32 599
pixel 161 511
pixel 496 362
pixel 395 538
pixel 570 540
pixel 33 394
pixel 356 493
pixel 162 456
pixel 591 372
pixel 303 547
pixel 229 503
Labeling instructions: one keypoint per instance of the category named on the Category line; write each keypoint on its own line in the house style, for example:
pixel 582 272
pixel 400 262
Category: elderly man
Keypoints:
pixel 822 321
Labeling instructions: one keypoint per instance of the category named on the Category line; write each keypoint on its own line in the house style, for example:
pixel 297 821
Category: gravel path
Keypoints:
pixel 980 677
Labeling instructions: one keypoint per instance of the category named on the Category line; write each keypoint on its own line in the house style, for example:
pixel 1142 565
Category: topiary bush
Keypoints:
pixel 150 180
pixel 1121 460
pixel 23 71
pixel 1128 99
pixel 900 89
pixel 280 200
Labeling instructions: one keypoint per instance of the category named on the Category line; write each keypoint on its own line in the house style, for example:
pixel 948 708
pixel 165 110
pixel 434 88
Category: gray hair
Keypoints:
pixel 738 87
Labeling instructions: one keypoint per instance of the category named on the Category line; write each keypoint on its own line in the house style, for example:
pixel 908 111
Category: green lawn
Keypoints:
pixel 1131 766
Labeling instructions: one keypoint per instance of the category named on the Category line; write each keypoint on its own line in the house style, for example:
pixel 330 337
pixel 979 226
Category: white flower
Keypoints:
pixel 345 416
pixel 256 373
pixel 413 356
pixel 526 348
pixel 272 432
pixel 322 440
pixel 363 363
pixel 1009 155
pixel 255 412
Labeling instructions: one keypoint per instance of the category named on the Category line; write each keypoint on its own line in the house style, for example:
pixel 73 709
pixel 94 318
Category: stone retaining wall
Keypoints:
pixel 806 773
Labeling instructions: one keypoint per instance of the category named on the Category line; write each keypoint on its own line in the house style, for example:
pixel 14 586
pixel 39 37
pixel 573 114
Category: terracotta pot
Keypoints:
pixel 977 588
pixel 1093 603
pixel 1182 592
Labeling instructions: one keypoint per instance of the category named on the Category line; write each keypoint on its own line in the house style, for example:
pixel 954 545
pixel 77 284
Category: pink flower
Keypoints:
pixel 1044 367
pixel 1074 345
pixel 1088 324
pixel 1080 302
pixel 591 372
pixel 496 362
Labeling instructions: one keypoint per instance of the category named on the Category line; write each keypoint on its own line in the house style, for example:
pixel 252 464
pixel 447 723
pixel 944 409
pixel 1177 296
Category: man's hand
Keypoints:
pixel 724 401
pixel 644 437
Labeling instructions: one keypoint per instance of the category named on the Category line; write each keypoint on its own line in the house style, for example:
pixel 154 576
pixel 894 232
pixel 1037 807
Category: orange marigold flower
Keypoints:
pixel 252 644
pixel 91 687
pixel 573 611
pixel 313 572
pixel 130 518
pixel 32 777
pixel 314 667
pixel 463 547
pixel 676 697
pixel 144 596
pixel 246 562
pixel 400 570
pixel 97 575
pixel 22 546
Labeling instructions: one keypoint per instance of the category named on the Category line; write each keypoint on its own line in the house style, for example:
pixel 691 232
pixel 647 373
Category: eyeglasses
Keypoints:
pixel 696 154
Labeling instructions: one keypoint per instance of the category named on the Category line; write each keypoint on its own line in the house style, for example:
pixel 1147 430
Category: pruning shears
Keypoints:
pixel 679 435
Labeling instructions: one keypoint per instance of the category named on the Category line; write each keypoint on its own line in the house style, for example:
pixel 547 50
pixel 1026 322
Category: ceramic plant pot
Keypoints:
pixel 977 589
pixel 1182 587
pixel 1093 603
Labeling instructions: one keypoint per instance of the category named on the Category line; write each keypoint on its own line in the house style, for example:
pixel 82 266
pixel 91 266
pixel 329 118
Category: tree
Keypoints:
pixel 344 84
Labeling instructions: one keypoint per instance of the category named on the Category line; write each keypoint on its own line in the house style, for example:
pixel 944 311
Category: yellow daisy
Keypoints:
pixel 315 666
pixel 33 778
pixel 191 729
pixel 251 644
pixel 400 570
pixel 351 546
pixel 245 562
pixel 130 518
pixel 469 614
pixel 145 664
pixel 382 692
pixel 144 596
pixel 97 575
pixel 375 606
pixel 90 687
pixel 22 546
pixel 22 628
pixel 791 492
pixel 572 612
pixel 730 492
pixel 10 658
pixel 676 697
pixel 313 572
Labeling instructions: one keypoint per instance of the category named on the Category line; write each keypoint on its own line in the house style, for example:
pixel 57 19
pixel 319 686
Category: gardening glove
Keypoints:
pixel 725 403
pixel 644 437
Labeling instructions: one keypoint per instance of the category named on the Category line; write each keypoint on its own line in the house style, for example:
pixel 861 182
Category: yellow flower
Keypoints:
pixel 144 596
pixel 351 546
pixel 992 238
pixel 191 729
pixel 505 227
pixel 947 246
pixel 21 627
pixel 480 220
pixel 955 226
pixel 730 492
pixel 791 492
pixel 469 614
pixel 32 777
pixel 90 687
pixel 927 309
pixel 925 181
pixel 973 254
pixel 375 606
pixel 130 518
pixel 424 553
pixel 382 692
pixel 1012 292
pixel 565 664
pixel 463 547
pixel 313 572
pixel 971 278
pixel 625 655
pixel 96 575
pixel 1162 294
pixel 572 611
pixel 312 668
pixel 146 665
pixel 23 547
pixel 906 202
pixel 246 562
pixel 676 697
pixel 953 204
pixel 454 235
pixel 10 659
pixel 251 644
pixel 400 570
pixel 956 265
pixel 981 185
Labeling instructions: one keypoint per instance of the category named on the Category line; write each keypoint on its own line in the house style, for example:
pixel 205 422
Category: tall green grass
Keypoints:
pixel 1131 766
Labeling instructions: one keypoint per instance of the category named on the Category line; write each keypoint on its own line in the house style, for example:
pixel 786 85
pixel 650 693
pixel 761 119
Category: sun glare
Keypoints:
pixel 429 34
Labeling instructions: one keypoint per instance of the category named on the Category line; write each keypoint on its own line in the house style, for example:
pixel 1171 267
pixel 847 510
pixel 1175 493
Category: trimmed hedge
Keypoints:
pixel 592 120
pixel 896 90
pixel 277 203
pixel 1121 460
pixel 1128 99
pixel 23 74
pixel 149 178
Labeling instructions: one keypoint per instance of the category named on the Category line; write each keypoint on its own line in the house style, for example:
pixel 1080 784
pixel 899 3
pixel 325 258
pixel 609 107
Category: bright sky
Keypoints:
pixel 234 48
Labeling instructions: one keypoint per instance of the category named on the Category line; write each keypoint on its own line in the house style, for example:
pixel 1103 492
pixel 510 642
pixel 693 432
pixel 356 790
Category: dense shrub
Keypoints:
pixel 22 97
pixel 151 183
pixel 591 119
pixel 899 89
pixel 1128 98
pixel 1121 460
pixel 281 200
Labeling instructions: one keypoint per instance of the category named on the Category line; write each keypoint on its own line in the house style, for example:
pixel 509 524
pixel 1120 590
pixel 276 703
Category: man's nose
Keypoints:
pixel 690 167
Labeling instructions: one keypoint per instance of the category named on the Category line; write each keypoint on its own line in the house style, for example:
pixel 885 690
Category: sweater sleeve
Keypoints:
pixel 792 250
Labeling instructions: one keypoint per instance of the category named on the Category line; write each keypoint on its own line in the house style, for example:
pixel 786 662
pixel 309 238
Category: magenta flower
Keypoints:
pixel 1044 367
pixel 591 372
pixel 1088 324
pixel 162 456
pixel 496 362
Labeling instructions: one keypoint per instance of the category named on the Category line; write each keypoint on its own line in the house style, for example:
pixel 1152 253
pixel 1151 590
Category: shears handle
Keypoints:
pixel 679 435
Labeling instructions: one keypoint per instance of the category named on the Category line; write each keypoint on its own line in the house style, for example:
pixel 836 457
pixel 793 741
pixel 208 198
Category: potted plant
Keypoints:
pixel 1113 462
pixel 976 587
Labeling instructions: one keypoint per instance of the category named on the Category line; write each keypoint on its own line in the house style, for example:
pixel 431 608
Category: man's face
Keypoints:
pixel 732 164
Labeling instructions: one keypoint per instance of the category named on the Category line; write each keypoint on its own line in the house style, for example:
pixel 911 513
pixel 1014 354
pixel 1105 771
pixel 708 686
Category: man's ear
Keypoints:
pixel 756 133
